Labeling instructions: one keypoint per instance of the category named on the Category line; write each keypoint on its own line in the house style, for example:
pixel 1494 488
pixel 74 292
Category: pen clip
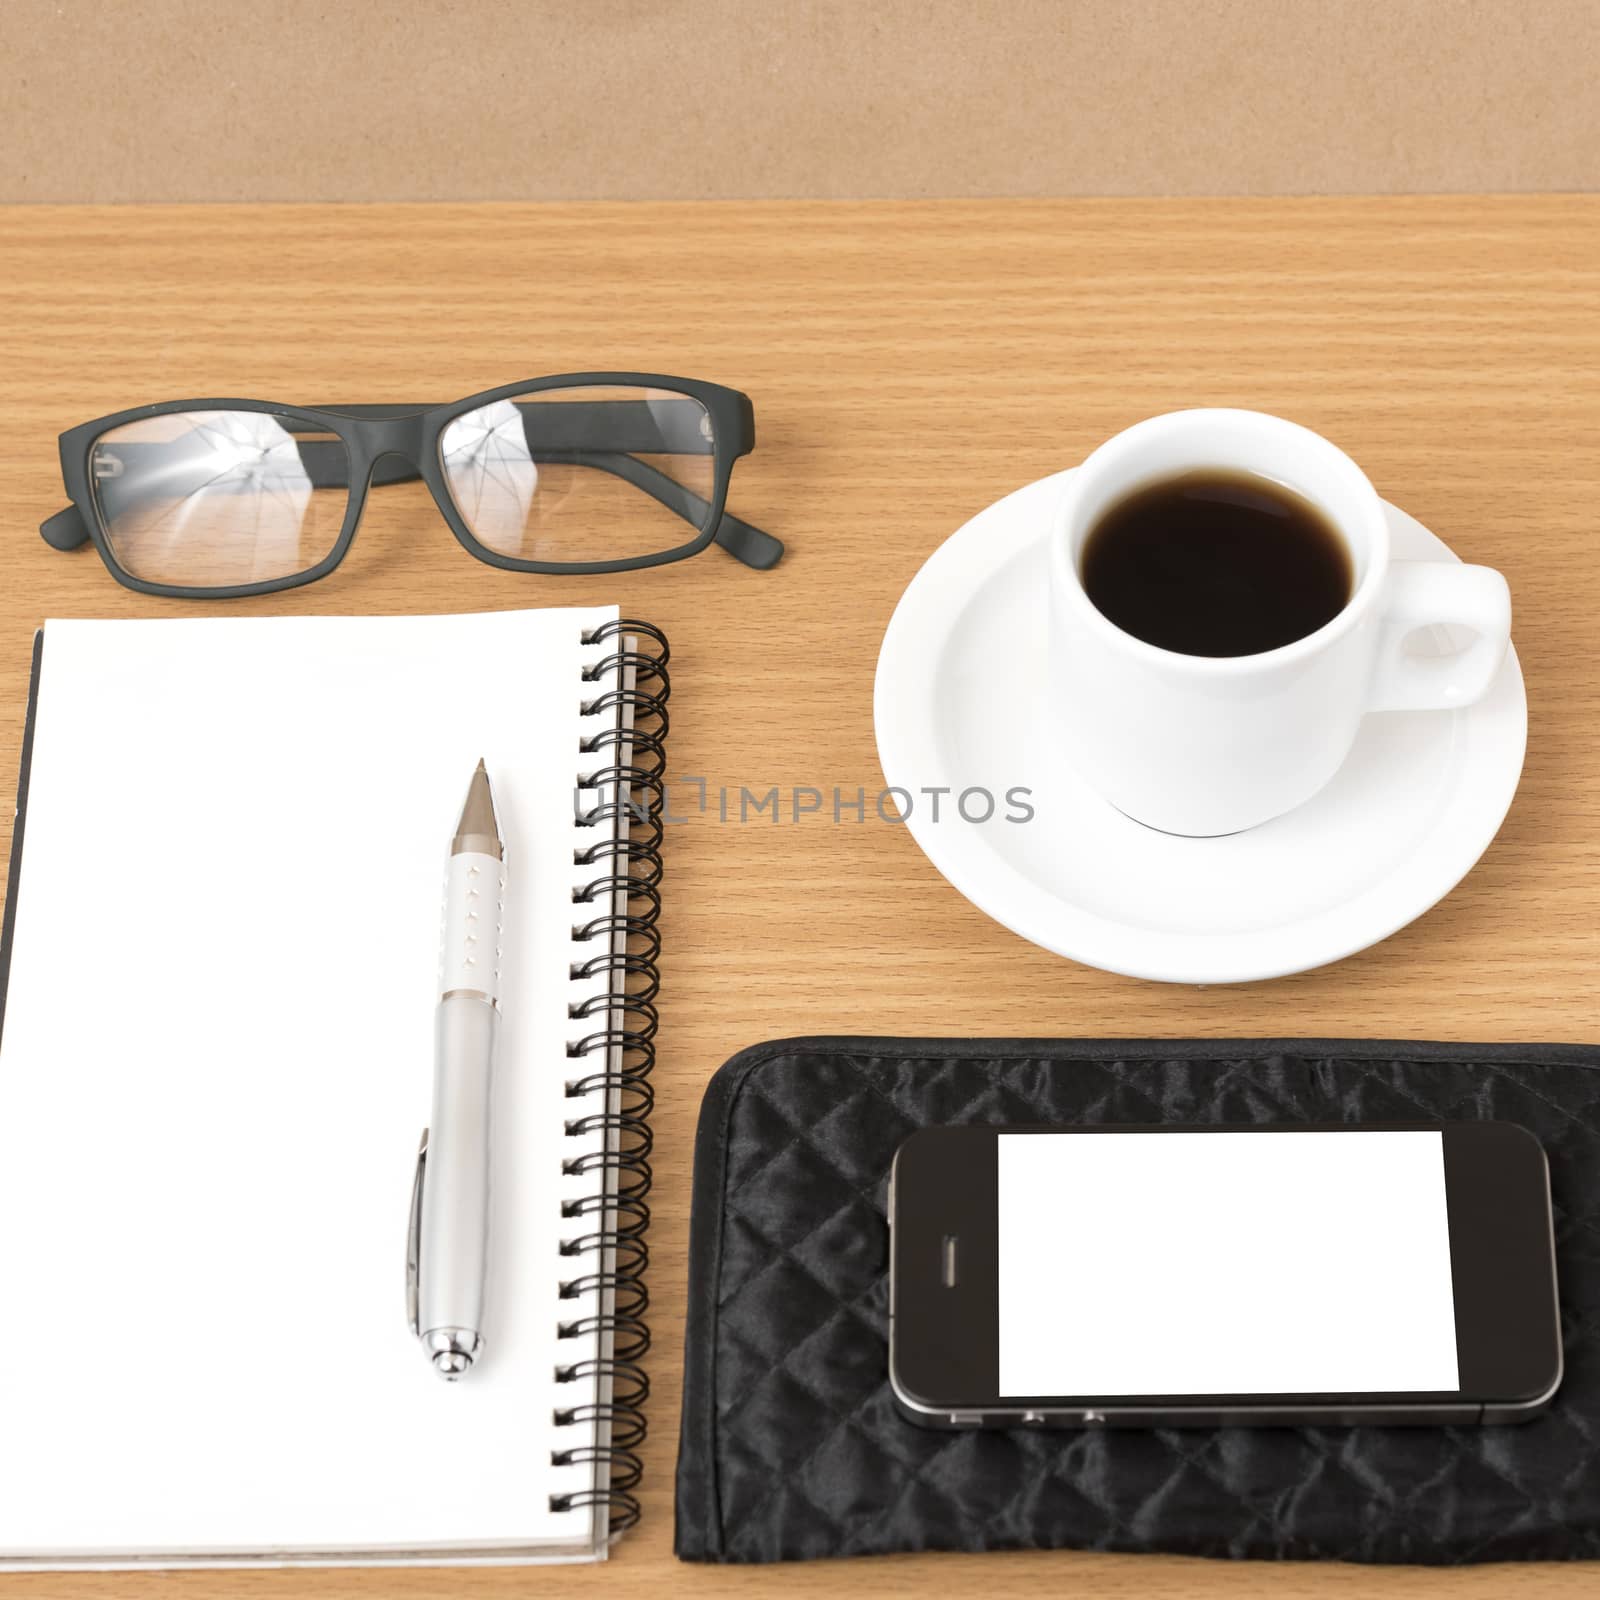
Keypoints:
pixel 414 1241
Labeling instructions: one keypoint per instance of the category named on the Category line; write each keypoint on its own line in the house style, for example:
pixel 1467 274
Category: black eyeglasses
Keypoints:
pixel 587 472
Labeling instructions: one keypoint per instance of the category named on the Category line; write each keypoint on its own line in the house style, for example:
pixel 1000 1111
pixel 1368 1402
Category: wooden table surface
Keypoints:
pixel 909 364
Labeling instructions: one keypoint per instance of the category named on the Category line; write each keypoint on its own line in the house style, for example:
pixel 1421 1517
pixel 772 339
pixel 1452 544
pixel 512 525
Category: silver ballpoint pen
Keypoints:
pixel 447 1249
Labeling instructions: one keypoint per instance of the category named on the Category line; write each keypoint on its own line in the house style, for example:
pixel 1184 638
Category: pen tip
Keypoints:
pixel 478 828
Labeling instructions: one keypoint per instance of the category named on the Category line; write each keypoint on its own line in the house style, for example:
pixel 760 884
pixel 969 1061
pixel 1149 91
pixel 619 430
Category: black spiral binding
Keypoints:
pixel 628 759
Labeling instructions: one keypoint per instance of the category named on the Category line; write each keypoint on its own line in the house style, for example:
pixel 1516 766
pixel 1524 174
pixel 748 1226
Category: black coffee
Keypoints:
pixel 1215 563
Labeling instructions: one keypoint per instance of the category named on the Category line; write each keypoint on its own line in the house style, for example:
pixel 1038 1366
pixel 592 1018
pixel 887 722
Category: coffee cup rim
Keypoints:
pixel 1375 534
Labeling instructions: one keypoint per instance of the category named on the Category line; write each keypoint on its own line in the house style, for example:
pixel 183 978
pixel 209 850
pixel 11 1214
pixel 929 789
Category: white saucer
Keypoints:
pixel 960 704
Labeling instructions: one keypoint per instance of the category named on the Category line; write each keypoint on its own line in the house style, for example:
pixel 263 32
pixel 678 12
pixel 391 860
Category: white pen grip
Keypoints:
pixel 469 942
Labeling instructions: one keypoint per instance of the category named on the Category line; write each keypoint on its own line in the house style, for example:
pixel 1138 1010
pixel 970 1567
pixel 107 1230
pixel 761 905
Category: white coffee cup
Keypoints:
pixel 1207 745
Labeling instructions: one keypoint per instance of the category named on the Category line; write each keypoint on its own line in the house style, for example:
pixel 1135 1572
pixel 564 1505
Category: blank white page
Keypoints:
pixel 216 1064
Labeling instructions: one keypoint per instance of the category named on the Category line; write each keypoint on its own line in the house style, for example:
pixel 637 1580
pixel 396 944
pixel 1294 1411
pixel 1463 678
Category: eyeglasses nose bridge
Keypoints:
pixel 382 451
pixel 389 436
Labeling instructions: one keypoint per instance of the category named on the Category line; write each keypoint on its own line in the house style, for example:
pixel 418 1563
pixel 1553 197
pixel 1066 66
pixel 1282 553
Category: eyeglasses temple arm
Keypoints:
pixel 739 538
pixel 748 543
pixel 326 467
pixel 65 530
pixel 324 464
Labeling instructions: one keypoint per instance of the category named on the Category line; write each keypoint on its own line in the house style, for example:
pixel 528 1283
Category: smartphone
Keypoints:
pixel 1159 1277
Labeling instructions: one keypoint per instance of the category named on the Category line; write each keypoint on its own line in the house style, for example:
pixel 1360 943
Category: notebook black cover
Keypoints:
pixel 791 1446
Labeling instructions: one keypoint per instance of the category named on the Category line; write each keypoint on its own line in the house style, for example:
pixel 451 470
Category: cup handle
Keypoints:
pixel 1418 594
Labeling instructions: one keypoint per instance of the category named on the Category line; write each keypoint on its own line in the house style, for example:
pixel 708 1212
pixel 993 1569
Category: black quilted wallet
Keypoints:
pixel 791 1445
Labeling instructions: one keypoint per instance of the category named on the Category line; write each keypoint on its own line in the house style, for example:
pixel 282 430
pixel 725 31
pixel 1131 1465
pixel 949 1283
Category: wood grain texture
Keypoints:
pixel 909 364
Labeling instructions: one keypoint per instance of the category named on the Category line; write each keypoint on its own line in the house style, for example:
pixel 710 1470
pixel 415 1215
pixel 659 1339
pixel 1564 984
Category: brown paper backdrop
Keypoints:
pixel 711 99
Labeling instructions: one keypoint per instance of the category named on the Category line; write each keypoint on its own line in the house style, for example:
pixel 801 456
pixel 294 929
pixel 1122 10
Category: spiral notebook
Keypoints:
pixel 220 946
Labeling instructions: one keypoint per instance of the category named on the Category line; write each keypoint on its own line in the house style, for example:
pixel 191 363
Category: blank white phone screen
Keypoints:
pixel 1224 1263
